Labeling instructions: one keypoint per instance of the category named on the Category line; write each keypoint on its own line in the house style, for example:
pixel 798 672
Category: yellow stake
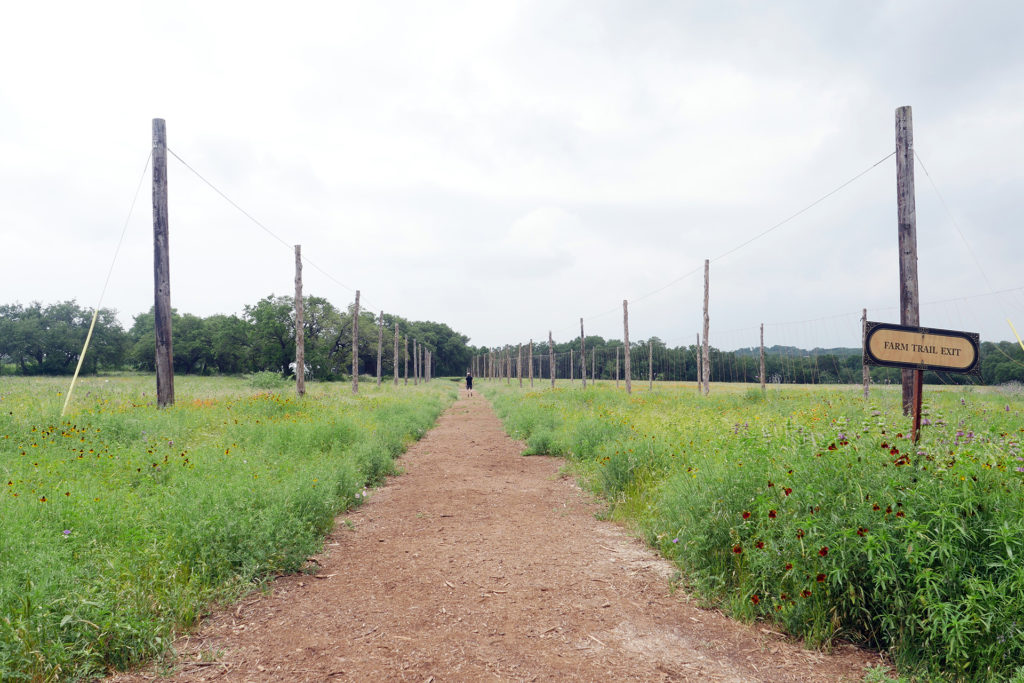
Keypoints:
pixel 81 358
pixel 1015 333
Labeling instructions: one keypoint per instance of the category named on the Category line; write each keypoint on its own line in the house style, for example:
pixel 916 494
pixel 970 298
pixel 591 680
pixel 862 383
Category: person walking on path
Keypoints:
pixel 469 382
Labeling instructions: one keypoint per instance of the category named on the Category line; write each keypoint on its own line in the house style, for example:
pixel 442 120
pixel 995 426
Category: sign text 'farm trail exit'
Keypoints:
pixel 921 347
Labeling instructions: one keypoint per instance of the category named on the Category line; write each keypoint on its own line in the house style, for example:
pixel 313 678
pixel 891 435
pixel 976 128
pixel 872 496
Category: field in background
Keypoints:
pixel 121 523
pixel 813 509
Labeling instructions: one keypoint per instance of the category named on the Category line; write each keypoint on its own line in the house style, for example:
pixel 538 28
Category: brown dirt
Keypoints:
pixel 480 564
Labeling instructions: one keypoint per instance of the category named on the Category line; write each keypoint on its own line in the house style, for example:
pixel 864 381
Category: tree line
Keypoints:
pixel 47 339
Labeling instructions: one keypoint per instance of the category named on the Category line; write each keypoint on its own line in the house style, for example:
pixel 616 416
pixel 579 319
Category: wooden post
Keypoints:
pixel 625 346
pixel 700 366
pixel 380 346
pixel 650 366
pixel 415 362
pixel 551 358
pixel 572 379
pixel 915 430
pixel 707 323
pixel 616 367
pixel 907 217
pixel 531 363
pixel 300 332
pixel 762 357
pixel 406 354
pixel 863 342
pixel 519 366
pixel 508 365
pixel 355 346
pixel 583 355
pixel 593 366
pixel 162 270
pixel 396 353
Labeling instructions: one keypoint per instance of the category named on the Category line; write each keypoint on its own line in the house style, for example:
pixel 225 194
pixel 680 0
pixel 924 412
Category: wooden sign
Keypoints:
pixel 923 348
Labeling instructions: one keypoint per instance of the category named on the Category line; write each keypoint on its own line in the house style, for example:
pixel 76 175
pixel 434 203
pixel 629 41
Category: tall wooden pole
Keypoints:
pixel 593 366
pixel 355 346
pixel 616 367
pixel 396 354
pixel 572 378
pixel 700 367
pixel 162 270
pixel 380 346
pixel 406 354
pixel 300 324
pixel 907 217
pixel 551 358
pixel 650 366
pixel 707 323
pixel 863 341
pixel 531 363
pixel 625 346
pixel 519 366
pixel 762 356
pixel 583 355
pixel 415 362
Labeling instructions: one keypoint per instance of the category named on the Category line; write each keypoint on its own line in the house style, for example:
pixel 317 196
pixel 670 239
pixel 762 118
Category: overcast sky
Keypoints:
pixel 510 167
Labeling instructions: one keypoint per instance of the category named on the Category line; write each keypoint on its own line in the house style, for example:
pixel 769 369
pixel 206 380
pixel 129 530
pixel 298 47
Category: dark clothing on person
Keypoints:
pixel 469 381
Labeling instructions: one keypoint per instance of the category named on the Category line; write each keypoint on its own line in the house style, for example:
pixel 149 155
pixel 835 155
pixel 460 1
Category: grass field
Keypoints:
pixel 813 509
pixel 122 523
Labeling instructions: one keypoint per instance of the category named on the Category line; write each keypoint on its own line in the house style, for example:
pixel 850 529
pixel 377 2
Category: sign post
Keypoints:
pixel 920 349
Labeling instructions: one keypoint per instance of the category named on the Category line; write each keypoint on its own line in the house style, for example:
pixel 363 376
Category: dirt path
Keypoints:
pixel 480 564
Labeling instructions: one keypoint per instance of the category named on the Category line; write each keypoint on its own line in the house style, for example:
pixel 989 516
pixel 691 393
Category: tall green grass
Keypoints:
pixel 814 509
pixel 121 523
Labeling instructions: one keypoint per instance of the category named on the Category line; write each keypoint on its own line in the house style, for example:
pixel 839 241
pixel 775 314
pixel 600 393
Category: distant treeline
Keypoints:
pixel 47 339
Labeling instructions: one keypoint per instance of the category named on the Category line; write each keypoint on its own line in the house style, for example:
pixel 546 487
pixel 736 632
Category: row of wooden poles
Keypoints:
pixel 422 357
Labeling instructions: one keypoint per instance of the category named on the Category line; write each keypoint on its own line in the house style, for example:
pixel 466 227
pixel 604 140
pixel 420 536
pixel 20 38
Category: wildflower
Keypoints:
pixel 759 545
pixel 820 578
pixel 746 514
pixel 772 514
pixel 800 533
pixel 805 593
pixel 755 599
pixel 861 531
pixel 824 551
pixel 770 484
pixel 67 532
pixel 900 514
pixel 876 507
pixel 675 540
pixel 789 565
pixel 737 549
pixel 787 490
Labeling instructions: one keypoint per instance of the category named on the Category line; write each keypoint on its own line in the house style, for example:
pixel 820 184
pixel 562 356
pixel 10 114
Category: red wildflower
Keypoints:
pixel 888 509
pixel 899 513
pixel 737 549
pixel 770 484
pixel 861 531
pixel 832 447
pixel 755 599
pixel 759 545
pixel 885 445
pixel 824 551
pixel 800 533
pixel 805 593
pixel 772 514
pixel 820 578
pixel 789 565
pixel 746 514
pixel 876 507
pixel 894 451
pixel 787 490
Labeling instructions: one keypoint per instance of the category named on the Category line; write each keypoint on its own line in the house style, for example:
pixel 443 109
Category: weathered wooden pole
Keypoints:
pixel 508 365
pixel 300 323
pixel 650 366
pixel 531 363
pixel 700 366
pixel 406 355
pixel 380 347
pixel 707 324
pixel 355 346
pixel 551 358
pixel 907 217
pixel 583 355
pixel 625 346
pixel 395 364
pixel 519 366
pixel 572 379
pixel 593 366
pixel 866 374
pixel 762 357
pixel 162 270
pixel 415 362
pixel 616 367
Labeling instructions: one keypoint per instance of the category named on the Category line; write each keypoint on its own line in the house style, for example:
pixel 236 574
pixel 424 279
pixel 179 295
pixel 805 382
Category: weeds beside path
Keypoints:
pixel 480 563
